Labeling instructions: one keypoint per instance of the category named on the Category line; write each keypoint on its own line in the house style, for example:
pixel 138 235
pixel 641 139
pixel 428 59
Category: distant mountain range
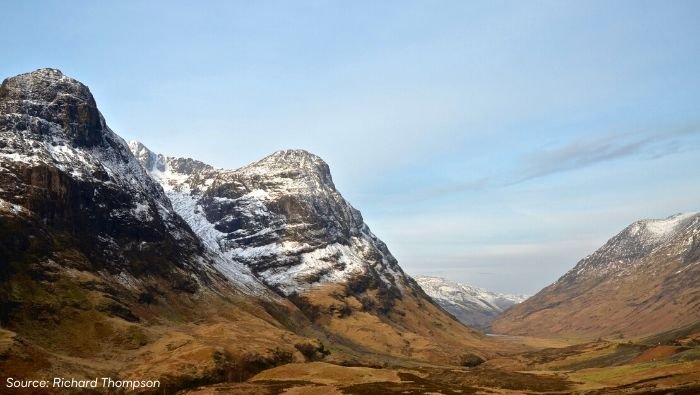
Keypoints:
pixel 473 306
pixel 644 280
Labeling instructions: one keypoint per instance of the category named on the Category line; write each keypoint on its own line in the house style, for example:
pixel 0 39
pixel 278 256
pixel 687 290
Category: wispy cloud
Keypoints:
pixel 579 154
pixel 587 152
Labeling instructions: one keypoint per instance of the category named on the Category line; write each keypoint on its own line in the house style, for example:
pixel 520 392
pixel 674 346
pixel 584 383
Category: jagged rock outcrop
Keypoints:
pixel 642 281
pixel 474 307
pixel 281 216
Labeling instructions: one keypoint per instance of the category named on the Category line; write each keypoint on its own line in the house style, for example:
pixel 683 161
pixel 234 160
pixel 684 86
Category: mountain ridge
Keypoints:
pixel 282 217
pixel 641 281
pixel 98 273
pixel 255 188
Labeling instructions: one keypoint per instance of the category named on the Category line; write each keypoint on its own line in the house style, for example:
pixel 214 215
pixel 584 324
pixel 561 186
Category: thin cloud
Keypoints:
pixel 584 153
pixel 577 155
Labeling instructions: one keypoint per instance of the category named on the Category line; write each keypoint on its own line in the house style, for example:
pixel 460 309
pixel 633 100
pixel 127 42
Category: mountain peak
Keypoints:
pixel 649 267
pixel 161 163
pixel 45 84
pixel 46 72
pixel 666 226
pixel 293 163
pixel 137 146
pixel 46 98
pixel 294 154
pixel 149 160
pixel 295 157
pixel 281 216
pixel 633 243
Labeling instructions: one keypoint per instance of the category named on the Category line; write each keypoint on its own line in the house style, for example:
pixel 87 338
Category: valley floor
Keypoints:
pixel 660 365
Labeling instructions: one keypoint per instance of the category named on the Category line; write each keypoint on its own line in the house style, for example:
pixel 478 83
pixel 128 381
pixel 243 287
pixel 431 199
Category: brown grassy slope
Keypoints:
pixel 64 329
pixel 187 340
pixel 413 328
pixel 67 319
pixel 60 317
pixel 662 294
pixel 662 364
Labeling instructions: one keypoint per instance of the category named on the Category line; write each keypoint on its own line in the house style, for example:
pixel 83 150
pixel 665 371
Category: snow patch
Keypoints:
pixel 665 227
pixel 12 208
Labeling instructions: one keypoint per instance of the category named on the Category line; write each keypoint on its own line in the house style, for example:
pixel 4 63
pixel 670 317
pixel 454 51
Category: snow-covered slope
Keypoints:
pixel 643 280
pixel 473 306
pixel 621 254
pixel 281 216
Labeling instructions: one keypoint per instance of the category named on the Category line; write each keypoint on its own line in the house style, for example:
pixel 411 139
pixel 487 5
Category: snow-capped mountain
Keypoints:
pixel 110 255
pixel 621 255
pixel 38 114
pixel 473 306
pixel 281 216
pixel 60 161
pixel 61 164
pixel 643 280
pixel 98 272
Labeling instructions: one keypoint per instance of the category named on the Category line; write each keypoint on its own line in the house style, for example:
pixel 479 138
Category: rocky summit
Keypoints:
pixel 283 219
pixel 69 181
pixel 282 216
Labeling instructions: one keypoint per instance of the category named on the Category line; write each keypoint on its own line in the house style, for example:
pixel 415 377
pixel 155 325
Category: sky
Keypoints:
pixel 494 143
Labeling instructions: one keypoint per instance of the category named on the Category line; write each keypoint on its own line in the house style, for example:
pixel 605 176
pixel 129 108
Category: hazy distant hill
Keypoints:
pixel 473 306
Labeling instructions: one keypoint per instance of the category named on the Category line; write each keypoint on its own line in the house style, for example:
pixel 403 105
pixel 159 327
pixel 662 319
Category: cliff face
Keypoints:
pixel 642 281
pixel 281 216
pixel 68 178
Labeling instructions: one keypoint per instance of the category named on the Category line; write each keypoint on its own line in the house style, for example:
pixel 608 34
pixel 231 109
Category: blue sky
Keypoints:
pixel 494 143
